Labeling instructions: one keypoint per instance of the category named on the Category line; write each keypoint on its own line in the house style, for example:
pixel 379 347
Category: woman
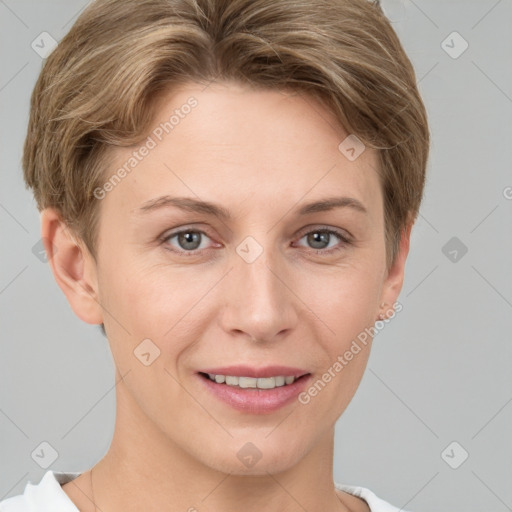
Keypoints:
pixel 228 189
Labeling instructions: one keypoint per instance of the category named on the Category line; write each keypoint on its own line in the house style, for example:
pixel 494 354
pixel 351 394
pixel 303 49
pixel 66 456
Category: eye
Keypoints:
pixel 187 241
pixel 190 242
pixel 320 240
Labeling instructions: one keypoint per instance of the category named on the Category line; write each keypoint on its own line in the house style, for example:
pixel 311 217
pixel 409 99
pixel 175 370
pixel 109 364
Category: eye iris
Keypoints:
pixel 189 237
pixel 319 236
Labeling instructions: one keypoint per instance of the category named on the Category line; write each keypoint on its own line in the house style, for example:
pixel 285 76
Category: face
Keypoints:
pixel 280 277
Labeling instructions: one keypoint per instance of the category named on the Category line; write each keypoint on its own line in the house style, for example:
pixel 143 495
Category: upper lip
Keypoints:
pixel 250 371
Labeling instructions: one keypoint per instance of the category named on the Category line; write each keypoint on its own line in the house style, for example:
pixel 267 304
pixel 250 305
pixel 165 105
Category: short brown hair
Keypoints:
pixel 98 87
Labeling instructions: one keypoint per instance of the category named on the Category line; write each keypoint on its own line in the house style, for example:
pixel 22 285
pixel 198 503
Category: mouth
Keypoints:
pixel 244 382
pixel 255 395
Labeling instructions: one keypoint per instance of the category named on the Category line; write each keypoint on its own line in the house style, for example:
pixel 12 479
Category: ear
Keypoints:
pixel 395 275
pixel 72 265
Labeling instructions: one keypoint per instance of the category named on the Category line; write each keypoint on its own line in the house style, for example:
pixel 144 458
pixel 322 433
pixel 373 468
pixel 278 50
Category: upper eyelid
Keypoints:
pixel 173 232
pixel 305 230
pixel 319 227
pixel 344 235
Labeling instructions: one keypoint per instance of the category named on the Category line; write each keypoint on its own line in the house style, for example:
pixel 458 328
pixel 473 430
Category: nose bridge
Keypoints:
pixel 259 302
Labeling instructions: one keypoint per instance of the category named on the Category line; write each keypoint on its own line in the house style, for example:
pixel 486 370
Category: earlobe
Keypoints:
pixel 395 275
pixel 72 266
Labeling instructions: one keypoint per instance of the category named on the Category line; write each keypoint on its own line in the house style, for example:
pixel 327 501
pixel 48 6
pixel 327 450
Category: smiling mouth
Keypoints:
pixel 263 383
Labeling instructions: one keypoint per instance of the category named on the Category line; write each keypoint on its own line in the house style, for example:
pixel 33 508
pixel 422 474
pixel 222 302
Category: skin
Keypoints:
pixel 261 155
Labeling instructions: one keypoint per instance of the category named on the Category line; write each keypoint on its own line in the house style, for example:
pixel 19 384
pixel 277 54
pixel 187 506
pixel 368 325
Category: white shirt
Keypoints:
pixel 48 496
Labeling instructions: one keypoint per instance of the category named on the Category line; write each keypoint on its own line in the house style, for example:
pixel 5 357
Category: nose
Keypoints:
pixel 258 299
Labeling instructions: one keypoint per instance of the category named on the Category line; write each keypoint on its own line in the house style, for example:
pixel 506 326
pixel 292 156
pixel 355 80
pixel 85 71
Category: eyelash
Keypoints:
pixel 345 241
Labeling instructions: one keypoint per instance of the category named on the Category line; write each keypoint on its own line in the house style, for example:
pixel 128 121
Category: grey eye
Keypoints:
pixel 319 239
pixel 190 240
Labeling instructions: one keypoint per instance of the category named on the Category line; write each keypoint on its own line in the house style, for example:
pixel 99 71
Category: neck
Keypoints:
pixel 144 466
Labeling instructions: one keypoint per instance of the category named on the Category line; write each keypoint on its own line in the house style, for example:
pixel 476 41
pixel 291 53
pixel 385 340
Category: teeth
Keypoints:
pixel 280 381
pixel 251 382
pixel 244 382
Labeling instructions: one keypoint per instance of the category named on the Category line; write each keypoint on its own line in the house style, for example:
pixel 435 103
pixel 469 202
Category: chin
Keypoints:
pixel 254 458
pixel 264 466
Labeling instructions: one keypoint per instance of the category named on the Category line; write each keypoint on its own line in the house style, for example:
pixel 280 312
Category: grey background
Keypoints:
pixel 439 372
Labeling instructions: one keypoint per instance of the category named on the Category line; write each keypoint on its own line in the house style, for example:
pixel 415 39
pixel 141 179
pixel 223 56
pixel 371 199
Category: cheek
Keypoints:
pixel 157 302
pixel 345 298
pixel 345 304
pixel 347 309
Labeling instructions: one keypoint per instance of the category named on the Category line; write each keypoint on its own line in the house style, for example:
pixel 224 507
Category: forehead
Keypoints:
pixel 228 142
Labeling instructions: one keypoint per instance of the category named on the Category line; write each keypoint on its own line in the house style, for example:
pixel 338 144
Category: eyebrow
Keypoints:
pixel 196 205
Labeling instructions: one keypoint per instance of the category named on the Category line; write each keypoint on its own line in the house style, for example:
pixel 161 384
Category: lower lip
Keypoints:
pixel 254 400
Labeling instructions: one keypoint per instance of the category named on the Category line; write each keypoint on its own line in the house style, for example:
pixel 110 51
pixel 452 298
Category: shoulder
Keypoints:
pixel 44 496
pixel 375 503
